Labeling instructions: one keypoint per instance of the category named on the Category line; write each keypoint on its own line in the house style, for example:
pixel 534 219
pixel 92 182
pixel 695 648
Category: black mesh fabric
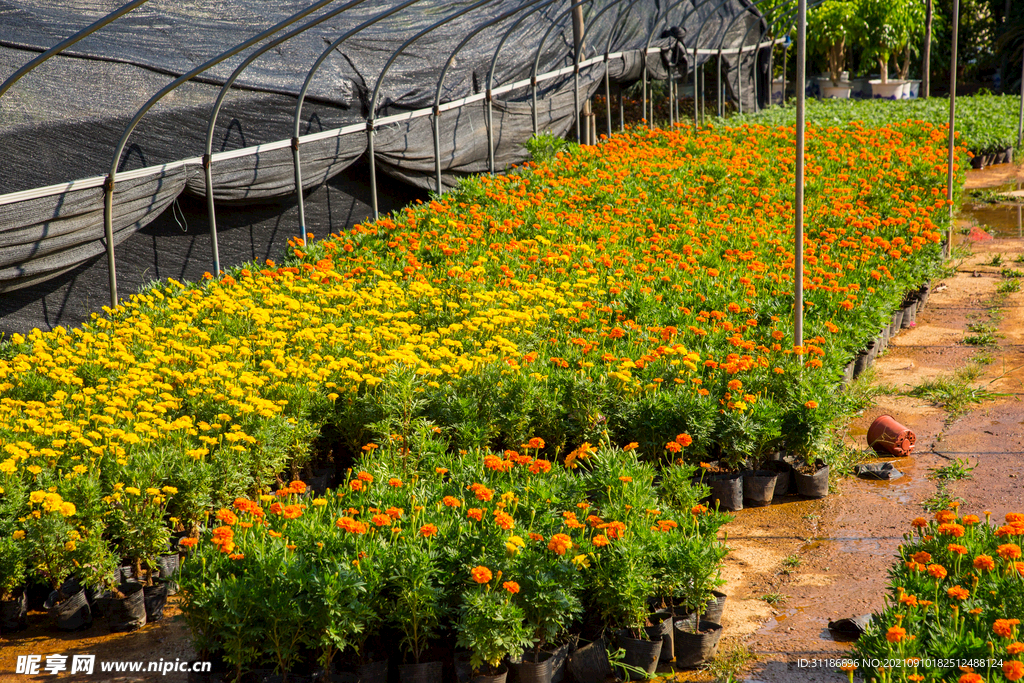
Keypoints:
pixel 62 122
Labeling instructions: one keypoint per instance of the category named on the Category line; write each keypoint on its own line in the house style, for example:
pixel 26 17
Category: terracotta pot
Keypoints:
pixel 886 435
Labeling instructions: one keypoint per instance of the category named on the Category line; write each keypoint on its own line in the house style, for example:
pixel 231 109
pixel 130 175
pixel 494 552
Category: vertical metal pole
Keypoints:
pixel 533 108
pixel 739 79
pixel 643 90
pixel 577 39
pixel 490 133
pixel 296 161
pixel 1020 117
pixel 798 247
pixel 108 232
pixel 576 103
pixel 785 55
pixel 437 147
pixel 952 126
pixel 607 95
pixel 622 108
pixel 211 213
pixel 926 57
pixel 373 168
pixel 696 93
pixel 721 102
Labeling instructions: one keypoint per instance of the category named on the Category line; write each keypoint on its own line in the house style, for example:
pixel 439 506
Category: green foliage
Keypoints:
pixel 492 627
pixel 544 146
pixel 12 567
pixel 829 27
pixel 958 469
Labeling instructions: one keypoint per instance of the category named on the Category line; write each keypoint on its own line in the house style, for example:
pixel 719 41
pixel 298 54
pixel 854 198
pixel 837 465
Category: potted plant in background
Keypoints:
pixel 830 26
pixel 13 599
pixel 882 31
pixel 416 602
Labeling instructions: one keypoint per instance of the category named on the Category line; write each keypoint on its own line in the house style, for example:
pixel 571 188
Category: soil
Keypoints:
pixel 796 564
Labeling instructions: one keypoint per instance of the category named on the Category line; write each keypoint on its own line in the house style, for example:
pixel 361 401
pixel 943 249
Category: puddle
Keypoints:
pixel 778 619
pixel 1002 220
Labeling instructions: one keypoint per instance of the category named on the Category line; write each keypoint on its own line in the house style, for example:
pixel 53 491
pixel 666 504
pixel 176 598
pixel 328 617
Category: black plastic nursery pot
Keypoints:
pixel 532 668
pixel 14 612
pixel 490 678
pixel 727 491
pixel 127 613
pixel 374 672
pixel 783 476
pixel 661 628
pixel 758 487
pixel 589 662
pixel 558 661
pixel 424 672
pixel 155 597
pixel 72 613
pixel 643 654
pixel 693 649
pixel 714 609
pixel 815 484
pixel 169 565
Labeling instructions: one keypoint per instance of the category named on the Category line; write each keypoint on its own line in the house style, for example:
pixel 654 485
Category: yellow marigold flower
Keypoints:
pixel 70 546
pixel 36 497
pixel 319 502
pixel 132 490
pixel 169 490
pixel 67 509
pixel 18 535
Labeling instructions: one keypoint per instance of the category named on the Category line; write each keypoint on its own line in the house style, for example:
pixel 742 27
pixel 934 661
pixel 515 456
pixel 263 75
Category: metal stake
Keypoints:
pixel 798 248
pixel 952 126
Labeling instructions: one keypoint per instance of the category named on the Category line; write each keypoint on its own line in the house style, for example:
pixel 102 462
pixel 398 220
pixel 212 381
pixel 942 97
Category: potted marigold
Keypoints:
pixel 13 599
pixel 490 625
pixel 416 604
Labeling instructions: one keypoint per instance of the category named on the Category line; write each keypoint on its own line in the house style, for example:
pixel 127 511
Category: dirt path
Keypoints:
pixel 822 560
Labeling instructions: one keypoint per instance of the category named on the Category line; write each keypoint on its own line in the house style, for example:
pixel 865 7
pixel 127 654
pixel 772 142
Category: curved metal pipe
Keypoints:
pixel 108 188
pixel 68 42
pixel 583 36
pixel 607 51
pixel 380 81
pixel 207 156
pixel 296 158
pixel 540 48
pixel 444 72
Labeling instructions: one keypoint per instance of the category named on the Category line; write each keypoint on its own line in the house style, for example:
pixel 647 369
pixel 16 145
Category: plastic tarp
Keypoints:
pixel 62 122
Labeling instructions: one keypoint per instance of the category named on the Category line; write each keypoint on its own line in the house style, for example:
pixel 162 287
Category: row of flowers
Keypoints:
pixel 499 553
pixel 956 604
pixel 641 287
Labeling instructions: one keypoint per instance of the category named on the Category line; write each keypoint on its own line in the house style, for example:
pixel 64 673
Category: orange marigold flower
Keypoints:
pixel 292 512
pixel 355 485
pixel 276 508
pixel 504 520
pixel 350 525
pixel 396 482
pixel 909 600
pixel 511 586
pixel 666 524
pixel 613 529
pixel 481 574
pixel 970 520
pixel 475 513
pixel 236 556
pixel 1004 627
pixel 958 593
pixel 1009 551
pixel 600 540
pixel 428 530
pixel 895 634
pixel 483 493
pixel 626 480
pixel 945 516
pixel 954 530
pixel 631 446
pixel 226 516
pixel 227 547
pixel 811 405
pixel 441 470
pixel 536 537
pixel 971 677
pixel 381 520
pixel 365 476
pixel 957 548
pixel 188 542
pixel 698 509
pixel 921 557
pixel 734 385
pixel 919 522
pixel 536 442
pixel 1015 648
pixel 394 513
pixel 297 486
pixel 560 543
pixel 984 562
pixel 684 439
pixel 1013 670
pixel 937 570
pixel 540 465
pixel 673 447
pixel 452 502
pixel 1014 517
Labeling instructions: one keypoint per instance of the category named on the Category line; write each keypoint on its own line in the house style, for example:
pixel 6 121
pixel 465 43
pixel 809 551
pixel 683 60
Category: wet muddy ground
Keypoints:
pixel 797 564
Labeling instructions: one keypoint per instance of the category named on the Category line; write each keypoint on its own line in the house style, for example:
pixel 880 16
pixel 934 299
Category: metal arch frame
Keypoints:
pixel 370 132
pixel 444 72
pixel 607 78
pixel 696 46
pixel 108 188
pixel 296 157
pixel 578 53
pixel 739 83
pixel 540 48
pixel 68 42
pixel 207 157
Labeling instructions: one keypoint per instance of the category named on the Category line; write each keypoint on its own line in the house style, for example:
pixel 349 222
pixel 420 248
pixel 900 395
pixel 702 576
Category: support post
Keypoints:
pixel 926 56
pixel 1020 116
pixel 798 246
pixel 952 126
pixel 577 39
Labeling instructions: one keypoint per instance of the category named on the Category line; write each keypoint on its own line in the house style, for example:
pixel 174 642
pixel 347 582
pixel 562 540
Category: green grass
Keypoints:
pixel 773 598
pixel 982 334
pixel 730 662
pixel 996 260
pixel 941 500
pixel 958 469
pixel 1011 273
pixel 954 393
pixel 1008 286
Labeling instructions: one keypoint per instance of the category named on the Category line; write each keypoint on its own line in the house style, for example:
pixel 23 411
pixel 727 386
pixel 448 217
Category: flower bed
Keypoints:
pixel 985 124
pixel 641 288
pixel 494 554
pixel 956 605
